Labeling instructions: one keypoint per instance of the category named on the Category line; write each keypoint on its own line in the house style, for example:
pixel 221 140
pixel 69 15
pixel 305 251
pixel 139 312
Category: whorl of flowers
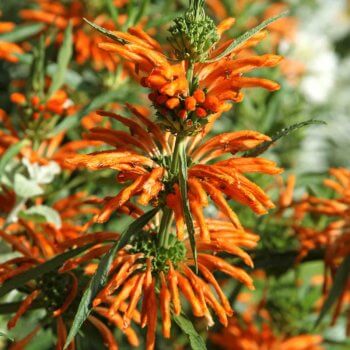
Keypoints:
pixel 166 164
pixel 191 89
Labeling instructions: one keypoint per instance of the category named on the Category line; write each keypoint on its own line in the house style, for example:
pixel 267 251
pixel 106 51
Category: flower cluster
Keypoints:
pixel 189 93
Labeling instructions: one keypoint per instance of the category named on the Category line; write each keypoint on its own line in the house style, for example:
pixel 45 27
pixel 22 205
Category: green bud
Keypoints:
pixel 193 34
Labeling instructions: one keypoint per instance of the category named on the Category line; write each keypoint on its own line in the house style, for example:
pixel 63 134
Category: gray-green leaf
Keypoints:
pixel 44 212
pixel 26 188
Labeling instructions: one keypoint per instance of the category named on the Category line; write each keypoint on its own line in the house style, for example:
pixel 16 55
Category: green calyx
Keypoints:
pixel 160 256
pixel 193 34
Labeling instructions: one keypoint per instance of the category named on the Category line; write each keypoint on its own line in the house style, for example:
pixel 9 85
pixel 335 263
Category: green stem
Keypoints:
pixel 189 76
pixel 165 223
pixel 164 229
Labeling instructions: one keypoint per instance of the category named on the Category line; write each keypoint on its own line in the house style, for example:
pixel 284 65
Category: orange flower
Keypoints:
pixel 8 50
pixel 247 336
pixel 37 244
pixel 58 103
pixel 140 266
pixel 134 157
pixel 334 237
pixel 221 179
pixel 219 81
pixel 143 159
pixel 85 41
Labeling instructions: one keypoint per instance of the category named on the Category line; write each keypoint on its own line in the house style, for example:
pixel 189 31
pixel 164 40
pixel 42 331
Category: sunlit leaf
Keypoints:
pixel 44 212
pixel 26 188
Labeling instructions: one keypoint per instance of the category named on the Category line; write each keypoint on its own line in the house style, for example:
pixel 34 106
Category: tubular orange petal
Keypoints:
pixel 25 305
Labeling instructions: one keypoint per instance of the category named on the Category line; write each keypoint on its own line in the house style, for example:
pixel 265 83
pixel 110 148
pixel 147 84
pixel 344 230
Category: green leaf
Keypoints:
pixel 43 212
pixel 64 57
pixel 284 132
pixel 96 284
pixel 72 78
pixel 34 273
pixel 246 36
pixel 6 336
pixel 196 341
pixel 184 199
pixel 340 281
pixel 106 32
pixel 142 10
pixel 20 33
pixel 26 188
pixel 38 68
pixel 99 279
pixel 10 154
pixel 136 227
pixel 113 10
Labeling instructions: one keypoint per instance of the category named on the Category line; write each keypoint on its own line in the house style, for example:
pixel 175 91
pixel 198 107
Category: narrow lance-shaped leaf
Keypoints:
pixel 245 37
pixel 340 281
pixel 96 284
pixel 106 32
pixel 185 203
pixel 20 33
pixel 113 10
pixel 99 279
pixel 142 11
pixel 38 68
pixel 34 273
pixel 196 341
pixel 284 132
pixel 64 57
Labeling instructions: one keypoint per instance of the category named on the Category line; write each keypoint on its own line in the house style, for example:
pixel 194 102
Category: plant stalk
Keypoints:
pixel 164 229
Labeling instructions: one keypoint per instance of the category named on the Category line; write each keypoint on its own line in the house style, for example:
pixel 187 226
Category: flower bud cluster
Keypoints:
pixel 193 35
